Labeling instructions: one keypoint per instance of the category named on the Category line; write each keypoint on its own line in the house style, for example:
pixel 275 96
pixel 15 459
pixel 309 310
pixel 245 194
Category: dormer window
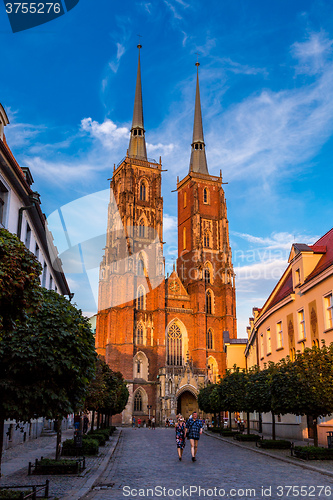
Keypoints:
pixel 135 132
pixel 197 146
pixel 139 132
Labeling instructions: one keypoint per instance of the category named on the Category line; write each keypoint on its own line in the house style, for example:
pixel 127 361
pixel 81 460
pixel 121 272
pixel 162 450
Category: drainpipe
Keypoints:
pixel 34 199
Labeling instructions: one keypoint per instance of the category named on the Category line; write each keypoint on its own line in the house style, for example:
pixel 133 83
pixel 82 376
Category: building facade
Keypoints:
pixel 297 314
pixel 165 334
pixel 21 214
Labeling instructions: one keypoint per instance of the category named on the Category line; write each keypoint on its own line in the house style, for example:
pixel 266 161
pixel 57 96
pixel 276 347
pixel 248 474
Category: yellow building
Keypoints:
pixel 296 315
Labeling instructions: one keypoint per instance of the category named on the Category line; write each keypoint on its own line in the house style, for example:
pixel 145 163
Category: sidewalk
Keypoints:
pixel 71 487
pixel 322 466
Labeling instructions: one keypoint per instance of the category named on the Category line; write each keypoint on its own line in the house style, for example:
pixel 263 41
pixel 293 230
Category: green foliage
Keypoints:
pixel 259 389
pixel 12 494
pixel 226 433
pixel 47 362
pixel 232 392
pixel 89 447
pixel 274 444
pixel 204 401
pixel 51 461
pixel 107 391
pixel 100 437
pixel 104 432
pixel 313 453
pixel 247 437
pixel 20 290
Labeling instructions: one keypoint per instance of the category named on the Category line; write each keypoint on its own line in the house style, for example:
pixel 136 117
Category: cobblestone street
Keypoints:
pixel 148 459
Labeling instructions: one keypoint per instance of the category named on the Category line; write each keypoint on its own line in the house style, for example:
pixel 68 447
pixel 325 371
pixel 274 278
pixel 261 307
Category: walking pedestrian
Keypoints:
pixel 180 435
pixel 194 429
pixel 139 423
pixel 153 423
pixel 133 422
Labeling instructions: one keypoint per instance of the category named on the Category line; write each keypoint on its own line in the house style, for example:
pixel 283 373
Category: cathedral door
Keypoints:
pixel 187 404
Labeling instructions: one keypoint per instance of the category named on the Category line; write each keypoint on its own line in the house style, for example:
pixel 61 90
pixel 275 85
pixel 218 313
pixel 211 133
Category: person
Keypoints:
pixel 149 423
pixel 180 435
pixel 194 429
pixel 133 422
pixel 139 423
pixel 153 423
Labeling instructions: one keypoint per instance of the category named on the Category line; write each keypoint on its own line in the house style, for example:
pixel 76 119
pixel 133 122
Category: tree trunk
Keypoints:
pixel 2 426
pixel 260 423
pixel 98 416
pixel 273 426
pixel 315 432
pixel 230 422
pixel 58 446
pixel 92 420
pixel 248 422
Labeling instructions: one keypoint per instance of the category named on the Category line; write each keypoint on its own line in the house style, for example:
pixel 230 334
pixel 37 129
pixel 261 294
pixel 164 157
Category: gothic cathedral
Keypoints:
pixel 165 335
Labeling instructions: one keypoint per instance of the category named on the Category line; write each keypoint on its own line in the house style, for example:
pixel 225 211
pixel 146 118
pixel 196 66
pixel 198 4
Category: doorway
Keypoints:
pixel 186 404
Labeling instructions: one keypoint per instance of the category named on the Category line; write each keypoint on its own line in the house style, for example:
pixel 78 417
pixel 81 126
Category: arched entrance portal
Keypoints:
pixel 187 404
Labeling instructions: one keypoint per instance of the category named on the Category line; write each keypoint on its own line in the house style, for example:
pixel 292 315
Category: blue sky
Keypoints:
pixel 266 80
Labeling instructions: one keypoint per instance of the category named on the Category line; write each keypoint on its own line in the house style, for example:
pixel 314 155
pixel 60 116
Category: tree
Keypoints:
pixel 20 290
pixel 205 403
pixel 233 392
pixel 305 386
pixel 46 363
pixel 107 392
pixel 260 393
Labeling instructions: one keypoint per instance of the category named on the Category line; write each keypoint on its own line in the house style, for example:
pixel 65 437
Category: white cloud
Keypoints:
pixel 114 64
pixel 107 132
pixel 282 240
pixel 176 15
pixel 162 149
pixel 313 53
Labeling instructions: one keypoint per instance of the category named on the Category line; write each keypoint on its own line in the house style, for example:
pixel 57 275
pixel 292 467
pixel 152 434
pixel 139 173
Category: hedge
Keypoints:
pixel 89 447
pixel 247 437
pixel 226 433
pixel 101 438
pixel 313 453
pixel 274 444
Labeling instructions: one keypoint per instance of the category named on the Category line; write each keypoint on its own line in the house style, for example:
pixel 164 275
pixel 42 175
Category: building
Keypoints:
pixel 165 334
pixel 21 214
pixel 297 314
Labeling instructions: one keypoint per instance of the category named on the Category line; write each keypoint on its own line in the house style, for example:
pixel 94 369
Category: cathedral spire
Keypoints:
pixel 198 161
pixel 137 145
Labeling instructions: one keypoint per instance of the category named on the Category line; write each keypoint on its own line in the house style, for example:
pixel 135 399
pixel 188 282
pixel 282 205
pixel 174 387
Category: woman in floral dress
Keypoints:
pixel 180 435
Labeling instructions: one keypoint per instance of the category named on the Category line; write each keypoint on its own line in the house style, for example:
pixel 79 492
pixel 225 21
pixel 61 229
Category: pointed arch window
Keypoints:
pixel 141 268
pixel 207 275
pixel 139 334
pixel 209 339
pixel 138 401
pixel 209 302
pixel 143 191
pixel 185 199
pixel 184 238
pixel 141 298
pixel 142 229
pixel 175 356
pixel 138 367
pixel 206 239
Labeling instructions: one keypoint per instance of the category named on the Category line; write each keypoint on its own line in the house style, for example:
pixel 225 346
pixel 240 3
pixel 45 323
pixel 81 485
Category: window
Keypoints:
pixel 138 367
pixel 184 238
pixel 209 302
pixel 262 345
pixel 206 239
pixel 207 275
pixel 138 402
pixel 298 276
pixel 328 304
pixel 51 283
pixel 205 196
pixel 3 203
pixel 141 268
pixel 28 237
pixel 269 341
pixel 141 298
pixel 142 229
pixel 143 191
pixel 185 200
pixel 279 340
pixel 301 325
pixel 175 356
pixel 209 339
pixel 139 334
pixel 37 251
pixel 44 273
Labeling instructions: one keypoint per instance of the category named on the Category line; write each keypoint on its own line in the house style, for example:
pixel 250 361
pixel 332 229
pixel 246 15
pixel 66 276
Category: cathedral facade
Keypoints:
pixel 165 335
